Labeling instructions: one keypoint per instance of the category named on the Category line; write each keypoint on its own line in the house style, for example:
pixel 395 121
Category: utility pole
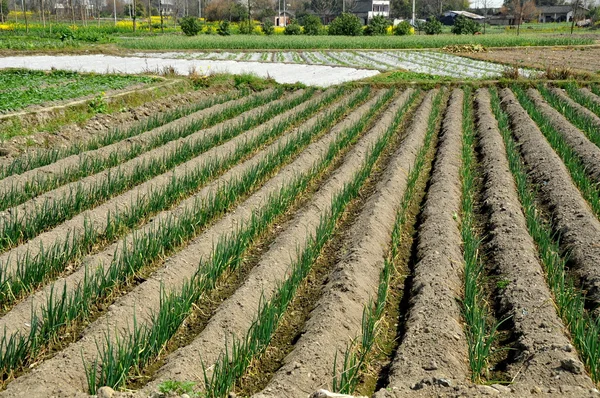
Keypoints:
pixel 279 13
pixel 199 8
pixel 115 10
pixel 413 13
pixel 343 6
pixel 284 16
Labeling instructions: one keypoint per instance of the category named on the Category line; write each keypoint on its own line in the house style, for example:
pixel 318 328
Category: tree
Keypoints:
pixel 346 25
pixel 268 28
pixel 293 29
pixel 312 24
pixel 229 10
pixel 403 29
pixel 322 8
pixel 377 26
pixel 465 26
pixel 224 29
pixel 190 26
pixel 3 10
pixel 433 26
pixel 400 8
pixel 522 11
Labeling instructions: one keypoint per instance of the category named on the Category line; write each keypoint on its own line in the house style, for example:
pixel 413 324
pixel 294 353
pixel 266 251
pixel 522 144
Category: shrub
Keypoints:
pixel 312 25
pixel 465 26
pixel 403 29
pixel 224 29
pixel 433 26
pixel 377 26
pixel 293 29
pixel 346 25
pixel 246 27
pixel 268 28
pixel 190 26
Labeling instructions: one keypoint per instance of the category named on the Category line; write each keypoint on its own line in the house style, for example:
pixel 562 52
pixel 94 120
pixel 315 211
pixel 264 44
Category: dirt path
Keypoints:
pixel 541 344
pixel 97 217
pixel 354 280
pixel 575 223
pixel 64 376
pixel 433 350
pixel 235 315
pixel 118 149
pixel 586 150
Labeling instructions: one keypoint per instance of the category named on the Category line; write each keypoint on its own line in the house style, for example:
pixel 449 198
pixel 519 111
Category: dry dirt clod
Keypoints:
pixel 329 394
pixel 570 365
pixel 105 392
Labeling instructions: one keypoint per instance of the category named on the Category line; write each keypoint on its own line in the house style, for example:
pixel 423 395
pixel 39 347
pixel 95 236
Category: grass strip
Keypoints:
pixel 18 228
pixel 589 189
pixel 570 301
pixel 580 121
pixel 573 90
pixel 595 89
pixel 481 335
pixel 232 365
pixel 87 166
pixel 31 272
pixel 300 42
pixel 129 355
pixel 358 353
pixel 38 158
pixel 18 350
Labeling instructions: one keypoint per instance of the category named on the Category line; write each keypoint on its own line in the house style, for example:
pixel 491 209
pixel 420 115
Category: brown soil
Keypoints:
pixel 588 93
pixel 586 150
pixel 16 319
pixel 591 116
pixel 353 280
pixel 576 58
pixel 433 349
pixel 236 314
pixel 101 123
pixel 119 148
pixel 64 375
pixel 431 358
pixel 540 342
pixel 575 223
pixel 98 217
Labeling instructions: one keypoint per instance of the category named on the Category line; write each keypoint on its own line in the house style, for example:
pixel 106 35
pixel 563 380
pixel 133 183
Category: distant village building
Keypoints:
pixel 284 18
pixel 366 10
pixel 449 17
pixel 560 13
pixel 545 14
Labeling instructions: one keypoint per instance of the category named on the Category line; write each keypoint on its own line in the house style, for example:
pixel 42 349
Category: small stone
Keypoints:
pixel 443 382
pixel 501 388
pixel 105 392
pixel 568 348
pixel 536 390
pixel 231 395
pixel 487 390
pixel 570 365
pixel 431 366
pixel 187 396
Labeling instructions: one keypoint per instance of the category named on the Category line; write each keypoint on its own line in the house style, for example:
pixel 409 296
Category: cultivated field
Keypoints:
pixel 416 242
pixel 428 62
pixel 575 58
